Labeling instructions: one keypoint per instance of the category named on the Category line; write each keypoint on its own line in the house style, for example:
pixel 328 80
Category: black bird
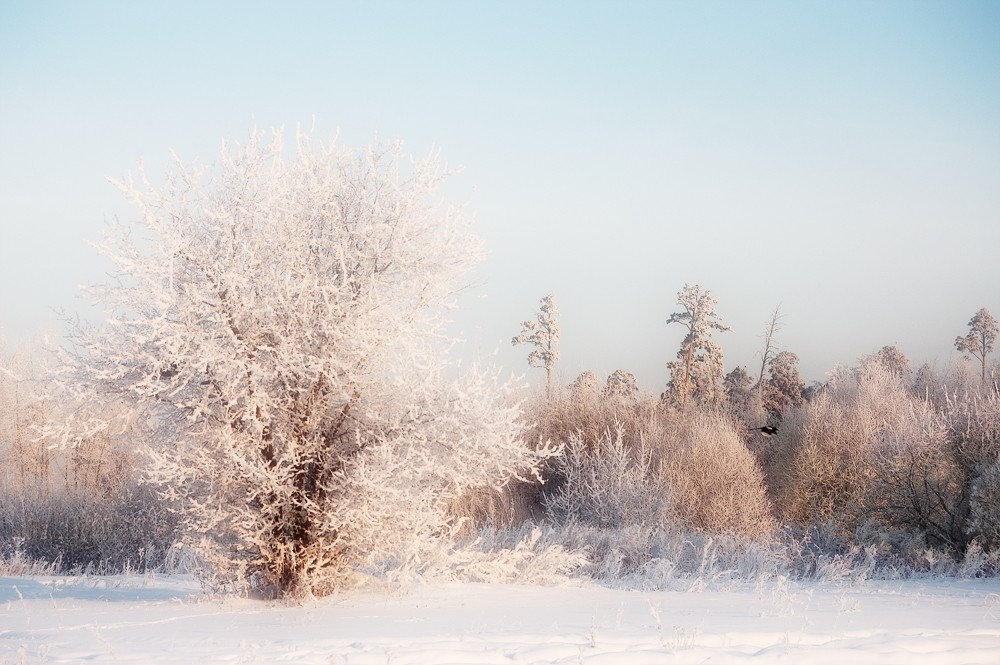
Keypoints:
pixel 767 430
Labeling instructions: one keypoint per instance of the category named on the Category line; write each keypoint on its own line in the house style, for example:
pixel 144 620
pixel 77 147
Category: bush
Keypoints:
pixel 868 453
pixel 984 509
pixel 129 531
pixel 81 507
pixel 716 483
pixel 608 483
pixel 823 459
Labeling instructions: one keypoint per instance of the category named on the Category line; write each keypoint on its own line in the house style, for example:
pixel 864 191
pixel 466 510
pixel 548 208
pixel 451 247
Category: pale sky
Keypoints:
pixel 839 158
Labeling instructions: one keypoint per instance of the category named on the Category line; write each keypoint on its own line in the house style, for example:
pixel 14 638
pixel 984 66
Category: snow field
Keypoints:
pixel 168 620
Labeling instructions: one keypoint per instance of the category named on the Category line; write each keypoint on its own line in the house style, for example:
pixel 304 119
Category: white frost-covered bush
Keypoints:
pixel 608 483
pixel 276 324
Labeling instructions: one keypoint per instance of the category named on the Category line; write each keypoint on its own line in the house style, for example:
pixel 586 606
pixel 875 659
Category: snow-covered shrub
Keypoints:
pixel 984 509
pixel 129 530
pixel 522 555
pixel 28 461
pixel 559 418
pixel 276 326
pixel 974 429
pixel 15 563
pixel 497 507
pixel 822 460
pixel 580 413
pixel 608 483
pixel 586 416
pixel 918 485
pixel 716 483
pixel 689 465
pixel 871 455
pixel 75 508
pixel 935 475
pixel 652 557
pixel 978 562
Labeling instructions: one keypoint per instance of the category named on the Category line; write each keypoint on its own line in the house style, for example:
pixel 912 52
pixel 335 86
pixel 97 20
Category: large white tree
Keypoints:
pixel 276 322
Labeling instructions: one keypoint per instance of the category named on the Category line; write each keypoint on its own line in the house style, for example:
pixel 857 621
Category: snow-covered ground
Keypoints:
pixel 167 620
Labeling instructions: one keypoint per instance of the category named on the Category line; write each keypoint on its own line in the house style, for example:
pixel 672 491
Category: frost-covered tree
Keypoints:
pixel 979 342
pixel 784 386
pixel 276 324
pixel 894 360
pixel 737 386
pixel 586 386
pixel 891 359
pixel 543 334
pixel 621 385
pixel 698 370
pixel 767 353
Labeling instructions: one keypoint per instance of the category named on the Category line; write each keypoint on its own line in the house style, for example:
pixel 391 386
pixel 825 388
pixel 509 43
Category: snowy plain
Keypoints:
pixel 169 620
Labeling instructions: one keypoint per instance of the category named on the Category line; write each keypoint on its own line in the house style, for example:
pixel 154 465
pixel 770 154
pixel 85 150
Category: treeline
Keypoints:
pixel 880 464
pixel 899 463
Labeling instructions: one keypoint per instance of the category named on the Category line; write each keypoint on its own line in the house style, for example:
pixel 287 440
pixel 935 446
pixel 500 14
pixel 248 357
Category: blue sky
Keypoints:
pixel 839 158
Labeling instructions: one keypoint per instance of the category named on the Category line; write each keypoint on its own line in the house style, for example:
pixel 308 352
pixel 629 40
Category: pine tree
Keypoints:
pixel 698 370
pixel 621 385
pixel 891 359
pixel 543 334
pixel 784 386
pixel 586 386
pixel 737 385
pixel 979 342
